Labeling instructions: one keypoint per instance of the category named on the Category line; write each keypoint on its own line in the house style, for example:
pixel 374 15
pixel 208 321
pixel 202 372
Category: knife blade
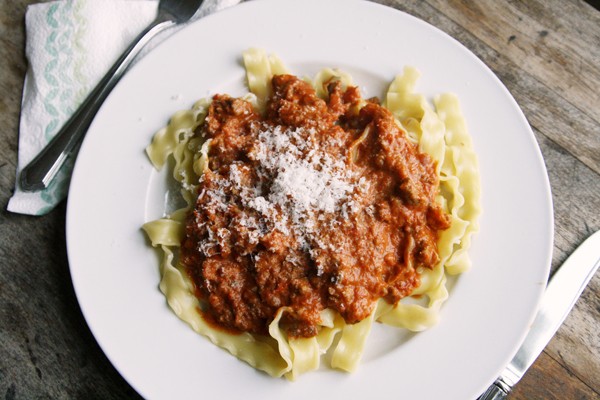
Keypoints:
pixel 560 296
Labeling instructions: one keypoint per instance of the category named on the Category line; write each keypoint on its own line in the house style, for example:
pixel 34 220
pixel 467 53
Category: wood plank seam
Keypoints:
pixel 566 366
pixel 569 152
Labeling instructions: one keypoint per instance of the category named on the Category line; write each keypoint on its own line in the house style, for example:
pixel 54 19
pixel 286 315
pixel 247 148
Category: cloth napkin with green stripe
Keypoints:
pixel 70 44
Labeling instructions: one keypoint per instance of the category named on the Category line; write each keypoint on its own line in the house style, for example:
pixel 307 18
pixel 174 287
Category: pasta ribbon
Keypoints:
pixel 327 75
pixel 164 231
pixel 180 129
pixel 260 68
pixel 348 352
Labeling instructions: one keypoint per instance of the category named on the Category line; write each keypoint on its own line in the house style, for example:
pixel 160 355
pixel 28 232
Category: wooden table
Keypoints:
pixel 548 55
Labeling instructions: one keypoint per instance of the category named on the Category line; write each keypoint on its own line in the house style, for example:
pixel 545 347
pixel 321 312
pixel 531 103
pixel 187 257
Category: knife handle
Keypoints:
pixel 497 391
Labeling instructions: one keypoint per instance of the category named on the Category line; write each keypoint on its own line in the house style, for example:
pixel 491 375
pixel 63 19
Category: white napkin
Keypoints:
pixel 70 45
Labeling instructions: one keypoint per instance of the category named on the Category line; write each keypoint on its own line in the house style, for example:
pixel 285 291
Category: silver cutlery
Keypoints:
pixel 562 292
pixel 38 174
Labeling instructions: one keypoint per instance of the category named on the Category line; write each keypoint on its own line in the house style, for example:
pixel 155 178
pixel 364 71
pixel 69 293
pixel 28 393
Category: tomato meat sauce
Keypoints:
pixel 312 204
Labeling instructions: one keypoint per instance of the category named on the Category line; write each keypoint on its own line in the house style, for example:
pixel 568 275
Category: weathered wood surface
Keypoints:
pixel 548 55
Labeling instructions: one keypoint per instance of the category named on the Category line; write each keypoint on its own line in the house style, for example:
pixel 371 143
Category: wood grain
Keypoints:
pixel 549 380
pixel 547 53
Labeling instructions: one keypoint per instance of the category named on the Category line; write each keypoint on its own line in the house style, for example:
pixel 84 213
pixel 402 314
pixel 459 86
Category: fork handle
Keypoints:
pixel 38 174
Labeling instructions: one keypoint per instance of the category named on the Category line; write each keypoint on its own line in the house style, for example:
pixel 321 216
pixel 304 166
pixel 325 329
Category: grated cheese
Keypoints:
pixel 300 185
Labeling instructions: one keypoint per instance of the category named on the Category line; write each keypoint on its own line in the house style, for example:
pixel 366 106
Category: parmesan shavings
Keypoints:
pixel 300 187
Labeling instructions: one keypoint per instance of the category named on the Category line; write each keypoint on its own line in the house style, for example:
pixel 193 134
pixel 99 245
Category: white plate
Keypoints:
pixel 114 190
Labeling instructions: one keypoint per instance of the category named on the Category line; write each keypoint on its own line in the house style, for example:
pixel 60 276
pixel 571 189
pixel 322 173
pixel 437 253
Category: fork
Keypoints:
pixel 38 174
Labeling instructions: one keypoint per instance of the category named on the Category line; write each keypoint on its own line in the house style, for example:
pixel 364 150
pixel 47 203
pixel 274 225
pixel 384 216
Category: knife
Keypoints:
pixel 562 292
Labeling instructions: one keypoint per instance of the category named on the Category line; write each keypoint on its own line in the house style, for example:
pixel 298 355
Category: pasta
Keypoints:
pixel 438 130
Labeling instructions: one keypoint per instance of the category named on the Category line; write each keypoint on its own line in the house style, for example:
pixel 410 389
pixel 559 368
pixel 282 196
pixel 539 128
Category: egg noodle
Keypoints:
pixel 438 129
